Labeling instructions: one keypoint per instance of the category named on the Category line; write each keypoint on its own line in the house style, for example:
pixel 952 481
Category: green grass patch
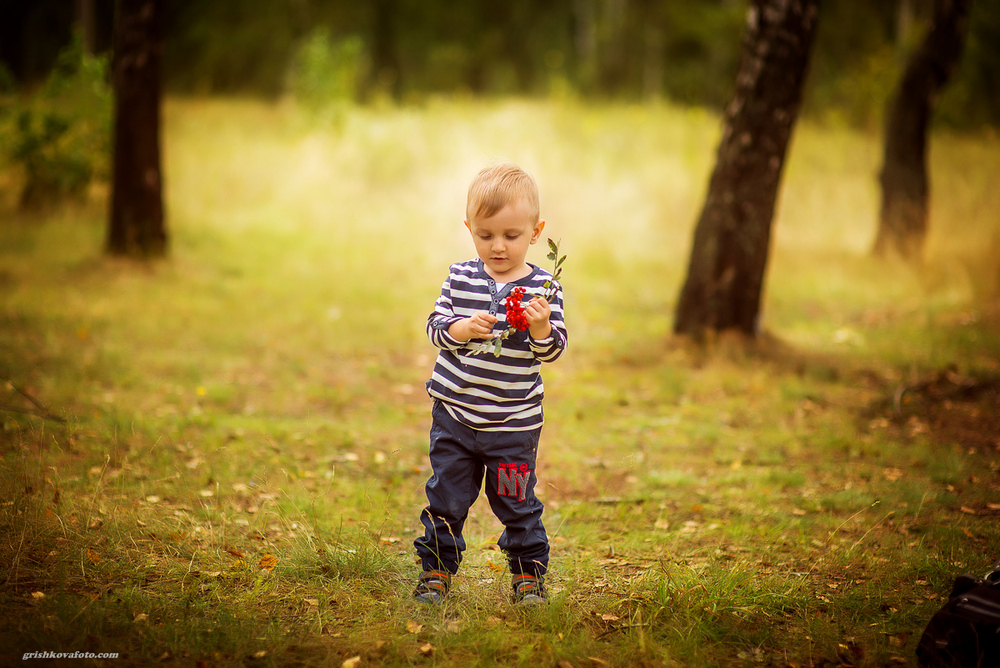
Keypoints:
pixel 221 457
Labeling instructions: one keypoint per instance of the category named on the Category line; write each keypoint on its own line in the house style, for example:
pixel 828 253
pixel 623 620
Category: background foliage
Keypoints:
pixel 683 50
pixel 60 137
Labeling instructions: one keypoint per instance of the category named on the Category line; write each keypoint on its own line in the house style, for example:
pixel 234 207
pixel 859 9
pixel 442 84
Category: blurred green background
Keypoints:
pixel 684 50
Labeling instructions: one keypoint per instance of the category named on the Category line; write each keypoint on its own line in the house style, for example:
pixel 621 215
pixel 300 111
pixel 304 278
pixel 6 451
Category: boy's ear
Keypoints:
pixel 537 232
pixel 466 221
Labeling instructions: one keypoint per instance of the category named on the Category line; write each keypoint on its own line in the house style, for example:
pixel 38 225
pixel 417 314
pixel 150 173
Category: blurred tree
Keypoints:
pixel 86 21
pixel 972 99
pixel 136 218
pixel 903 214
pixel 385 57
pixel 729 254
pixel 683 50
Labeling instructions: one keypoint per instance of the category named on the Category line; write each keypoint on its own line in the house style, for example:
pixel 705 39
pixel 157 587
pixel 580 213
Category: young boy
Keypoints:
pixel 487 414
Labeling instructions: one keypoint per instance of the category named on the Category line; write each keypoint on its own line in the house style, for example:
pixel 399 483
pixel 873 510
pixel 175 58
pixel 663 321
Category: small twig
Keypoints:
pixel 11 409
pixel 897 399
pixel 43 411
pixel 622 627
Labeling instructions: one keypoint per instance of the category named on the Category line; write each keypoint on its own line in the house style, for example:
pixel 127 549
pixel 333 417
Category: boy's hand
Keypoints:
pixel 477 326
pixel 537 312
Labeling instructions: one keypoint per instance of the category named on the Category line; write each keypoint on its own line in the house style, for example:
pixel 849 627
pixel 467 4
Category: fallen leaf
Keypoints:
pixel 141 617
pixel 260 654
pixel 37 595
pixel 93 556
pixel 597 662
pixel 152 498
pixel 427 649
pixel 610 618
pixel 968 510
pixel 311 601
pixel 268 562
pixel 238 555
pixel 413 627
pixel 493 567
pixel 352 662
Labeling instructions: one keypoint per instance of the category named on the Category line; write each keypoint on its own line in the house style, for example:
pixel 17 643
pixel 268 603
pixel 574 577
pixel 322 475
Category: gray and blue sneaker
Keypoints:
pixel 528 589
pixel 432 586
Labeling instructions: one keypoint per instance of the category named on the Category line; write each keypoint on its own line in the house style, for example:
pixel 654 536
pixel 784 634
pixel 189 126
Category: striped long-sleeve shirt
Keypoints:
pixel 480 390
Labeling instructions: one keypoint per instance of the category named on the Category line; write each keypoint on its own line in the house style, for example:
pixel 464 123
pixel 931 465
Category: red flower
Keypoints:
pixel 515 310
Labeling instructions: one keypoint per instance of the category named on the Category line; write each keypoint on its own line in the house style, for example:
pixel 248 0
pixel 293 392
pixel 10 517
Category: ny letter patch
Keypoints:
pixel 512 479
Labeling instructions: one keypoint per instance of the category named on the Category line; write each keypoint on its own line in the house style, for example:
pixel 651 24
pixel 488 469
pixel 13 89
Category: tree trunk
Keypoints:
pixel 905 187
pixel 386 74
pixel 137 225
pixel 86 24
pixel 729 254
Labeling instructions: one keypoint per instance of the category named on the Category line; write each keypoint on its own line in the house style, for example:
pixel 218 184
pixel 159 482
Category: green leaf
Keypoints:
pixel 561 260
pixel 551 256
pixel 554 247
pixel 497 346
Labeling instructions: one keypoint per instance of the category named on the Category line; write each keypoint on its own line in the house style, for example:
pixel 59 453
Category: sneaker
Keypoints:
pixel 432 586
pixel 528 589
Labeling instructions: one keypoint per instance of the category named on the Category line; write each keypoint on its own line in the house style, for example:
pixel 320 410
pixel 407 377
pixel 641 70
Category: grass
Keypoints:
pixel 237 467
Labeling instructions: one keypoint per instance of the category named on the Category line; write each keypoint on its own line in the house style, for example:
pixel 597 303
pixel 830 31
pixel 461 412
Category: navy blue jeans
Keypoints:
pixel 461 458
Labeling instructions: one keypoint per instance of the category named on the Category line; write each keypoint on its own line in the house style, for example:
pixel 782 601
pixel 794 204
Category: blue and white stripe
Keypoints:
pixel 482 391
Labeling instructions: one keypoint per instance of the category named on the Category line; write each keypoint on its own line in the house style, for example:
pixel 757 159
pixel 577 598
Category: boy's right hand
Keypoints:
pixel 477 326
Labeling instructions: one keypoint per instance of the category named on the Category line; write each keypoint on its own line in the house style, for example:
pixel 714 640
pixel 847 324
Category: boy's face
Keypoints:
pixel 502 240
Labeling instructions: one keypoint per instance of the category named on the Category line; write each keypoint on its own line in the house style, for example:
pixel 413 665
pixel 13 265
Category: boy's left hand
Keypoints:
pixel 537 313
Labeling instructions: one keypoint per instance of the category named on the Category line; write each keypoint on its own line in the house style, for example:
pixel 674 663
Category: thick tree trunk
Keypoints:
pixel 729 254
pixel 137 225
pixel 905 187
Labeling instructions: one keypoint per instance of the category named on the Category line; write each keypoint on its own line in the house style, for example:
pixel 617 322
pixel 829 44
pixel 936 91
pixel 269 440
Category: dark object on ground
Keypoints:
pixel 965 633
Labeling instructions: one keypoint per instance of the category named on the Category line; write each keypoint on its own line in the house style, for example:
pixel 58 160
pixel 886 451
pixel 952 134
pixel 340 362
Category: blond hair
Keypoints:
pixel 499 185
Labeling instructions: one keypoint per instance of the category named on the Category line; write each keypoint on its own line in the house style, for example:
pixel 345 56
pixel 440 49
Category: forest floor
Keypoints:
pixel 219 458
